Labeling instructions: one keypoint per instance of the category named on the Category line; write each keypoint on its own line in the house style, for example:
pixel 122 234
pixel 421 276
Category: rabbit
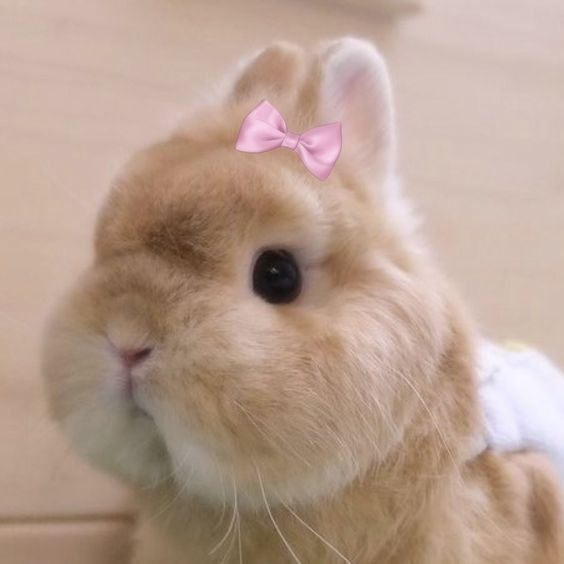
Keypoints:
pixel 273 363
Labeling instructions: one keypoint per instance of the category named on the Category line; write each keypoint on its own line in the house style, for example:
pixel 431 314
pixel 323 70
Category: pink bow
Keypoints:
pixel 264 129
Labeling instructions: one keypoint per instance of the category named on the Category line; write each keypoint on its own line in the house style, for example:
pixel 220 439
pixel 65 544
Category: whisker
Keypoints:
pixel 224 500
pixel 176 497
pixel 238 523
pixel 229 527
pixel 322 539
pixel 288 450
pixel 432 417
pixel 170 474
pixel 158 481
pixel 286 543
pixel 228 550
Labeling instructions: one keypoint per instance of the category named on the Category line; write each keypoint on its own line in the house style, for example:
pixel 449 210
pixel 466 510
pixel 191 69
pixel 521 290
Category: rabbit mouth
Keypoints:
pixel 136 408
pixel 133 396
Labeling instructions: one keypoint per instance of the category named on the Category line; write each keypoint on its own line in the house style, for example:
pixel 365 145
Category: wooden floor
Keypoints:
pixel 480 90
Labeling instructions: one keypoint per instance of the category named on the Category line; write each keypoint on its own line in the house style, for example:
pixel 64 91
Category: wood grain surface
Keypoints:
pixel 480 103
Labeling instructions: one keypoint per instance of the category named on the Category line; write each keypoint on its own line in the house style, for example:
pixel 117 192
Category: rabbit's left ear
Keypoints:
pixel 355 90
pixel 272 73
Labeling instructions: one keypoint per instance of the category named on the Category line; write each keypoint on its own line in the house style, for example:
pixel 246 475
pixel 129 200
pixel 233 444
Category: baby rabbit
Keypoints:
pixel 273 363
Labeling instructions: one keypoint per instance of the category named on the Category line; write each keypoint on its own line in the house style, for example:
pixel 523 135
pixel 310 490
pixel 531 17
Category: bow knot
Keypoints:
pixel 290 140
pixel 264 129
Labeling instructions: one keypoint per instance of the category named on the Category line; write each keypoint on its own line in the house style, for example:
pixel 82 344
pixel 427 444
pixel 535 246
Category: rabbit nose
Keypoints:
pixel 134 357
pixel 130 339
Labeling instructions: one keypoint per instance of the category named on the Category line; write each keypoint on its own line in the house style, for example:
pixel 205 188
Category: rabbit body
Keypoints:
pixel 336 427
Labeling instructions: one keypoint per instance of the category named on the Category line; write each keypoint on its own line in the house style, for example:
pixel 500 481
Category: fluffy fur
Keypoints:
pixel 333 429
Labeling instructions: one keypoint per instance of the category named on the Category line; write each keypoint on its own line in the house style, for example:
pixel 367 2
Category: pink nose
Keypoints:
pixel 133 357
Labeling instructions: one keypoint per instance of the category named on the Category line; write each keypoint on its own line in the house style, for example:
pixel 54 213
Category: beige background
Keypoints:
pixel 480 90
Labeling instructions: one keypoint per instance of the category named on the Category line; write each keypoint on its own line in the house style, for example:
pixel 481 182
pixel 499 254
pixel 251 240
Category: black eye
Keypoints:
pixel 276 277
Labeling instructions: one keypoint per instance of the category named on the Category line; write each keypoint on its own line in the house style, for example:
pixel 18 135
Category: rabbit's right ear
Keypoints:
pixel 270 74
pixel 355 91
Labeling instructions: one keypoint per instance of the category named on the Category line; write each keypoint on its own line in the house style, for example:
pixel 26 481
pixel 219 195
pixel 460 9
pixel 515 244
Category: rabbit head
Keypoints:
pixel 243 322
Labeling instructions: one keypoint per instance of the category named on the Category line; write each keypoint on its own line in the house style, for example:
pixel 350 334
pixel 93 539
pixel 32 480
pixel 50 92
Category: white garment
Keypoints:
pixel 522 398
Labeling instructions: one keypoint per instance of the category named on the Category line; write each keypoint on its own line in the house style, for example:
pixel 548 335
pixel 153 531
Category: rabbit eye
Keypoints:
pixel 276 277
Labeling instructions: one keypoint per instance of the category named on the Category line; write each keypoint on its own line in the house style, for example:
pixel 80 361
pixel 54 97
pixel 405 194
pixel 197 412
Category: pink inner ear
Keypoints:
pixel 357 93
pixel 366 123
pixel 357 97
pixel 363 101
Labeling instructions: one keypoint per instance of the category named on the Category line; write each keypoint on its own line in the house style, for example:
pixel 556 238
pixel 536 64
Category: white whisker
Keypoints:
pixel 228 550
pixel 224 499
pixel 168 475
pixel 432 417
pixel 286 543
pixel 289 449
pixel 175 498
pixel 322 539
pixel 229 527
pixel 238 524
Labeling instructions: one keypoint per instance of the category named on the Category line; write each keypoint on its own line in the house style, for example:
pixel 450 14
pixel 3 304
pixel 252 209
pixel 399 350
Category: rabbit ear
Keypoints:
pixel 270 74
pixel 355 90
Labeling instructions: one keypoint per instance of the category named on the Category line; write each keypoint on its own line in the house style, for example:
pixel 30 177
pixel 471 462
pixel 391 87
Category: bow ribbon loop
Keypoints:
pixel 264 129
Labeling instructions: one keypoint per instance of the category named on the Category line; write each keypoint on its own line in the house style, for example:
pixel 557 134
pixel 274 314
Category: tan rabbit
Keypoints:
pixel 273 363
